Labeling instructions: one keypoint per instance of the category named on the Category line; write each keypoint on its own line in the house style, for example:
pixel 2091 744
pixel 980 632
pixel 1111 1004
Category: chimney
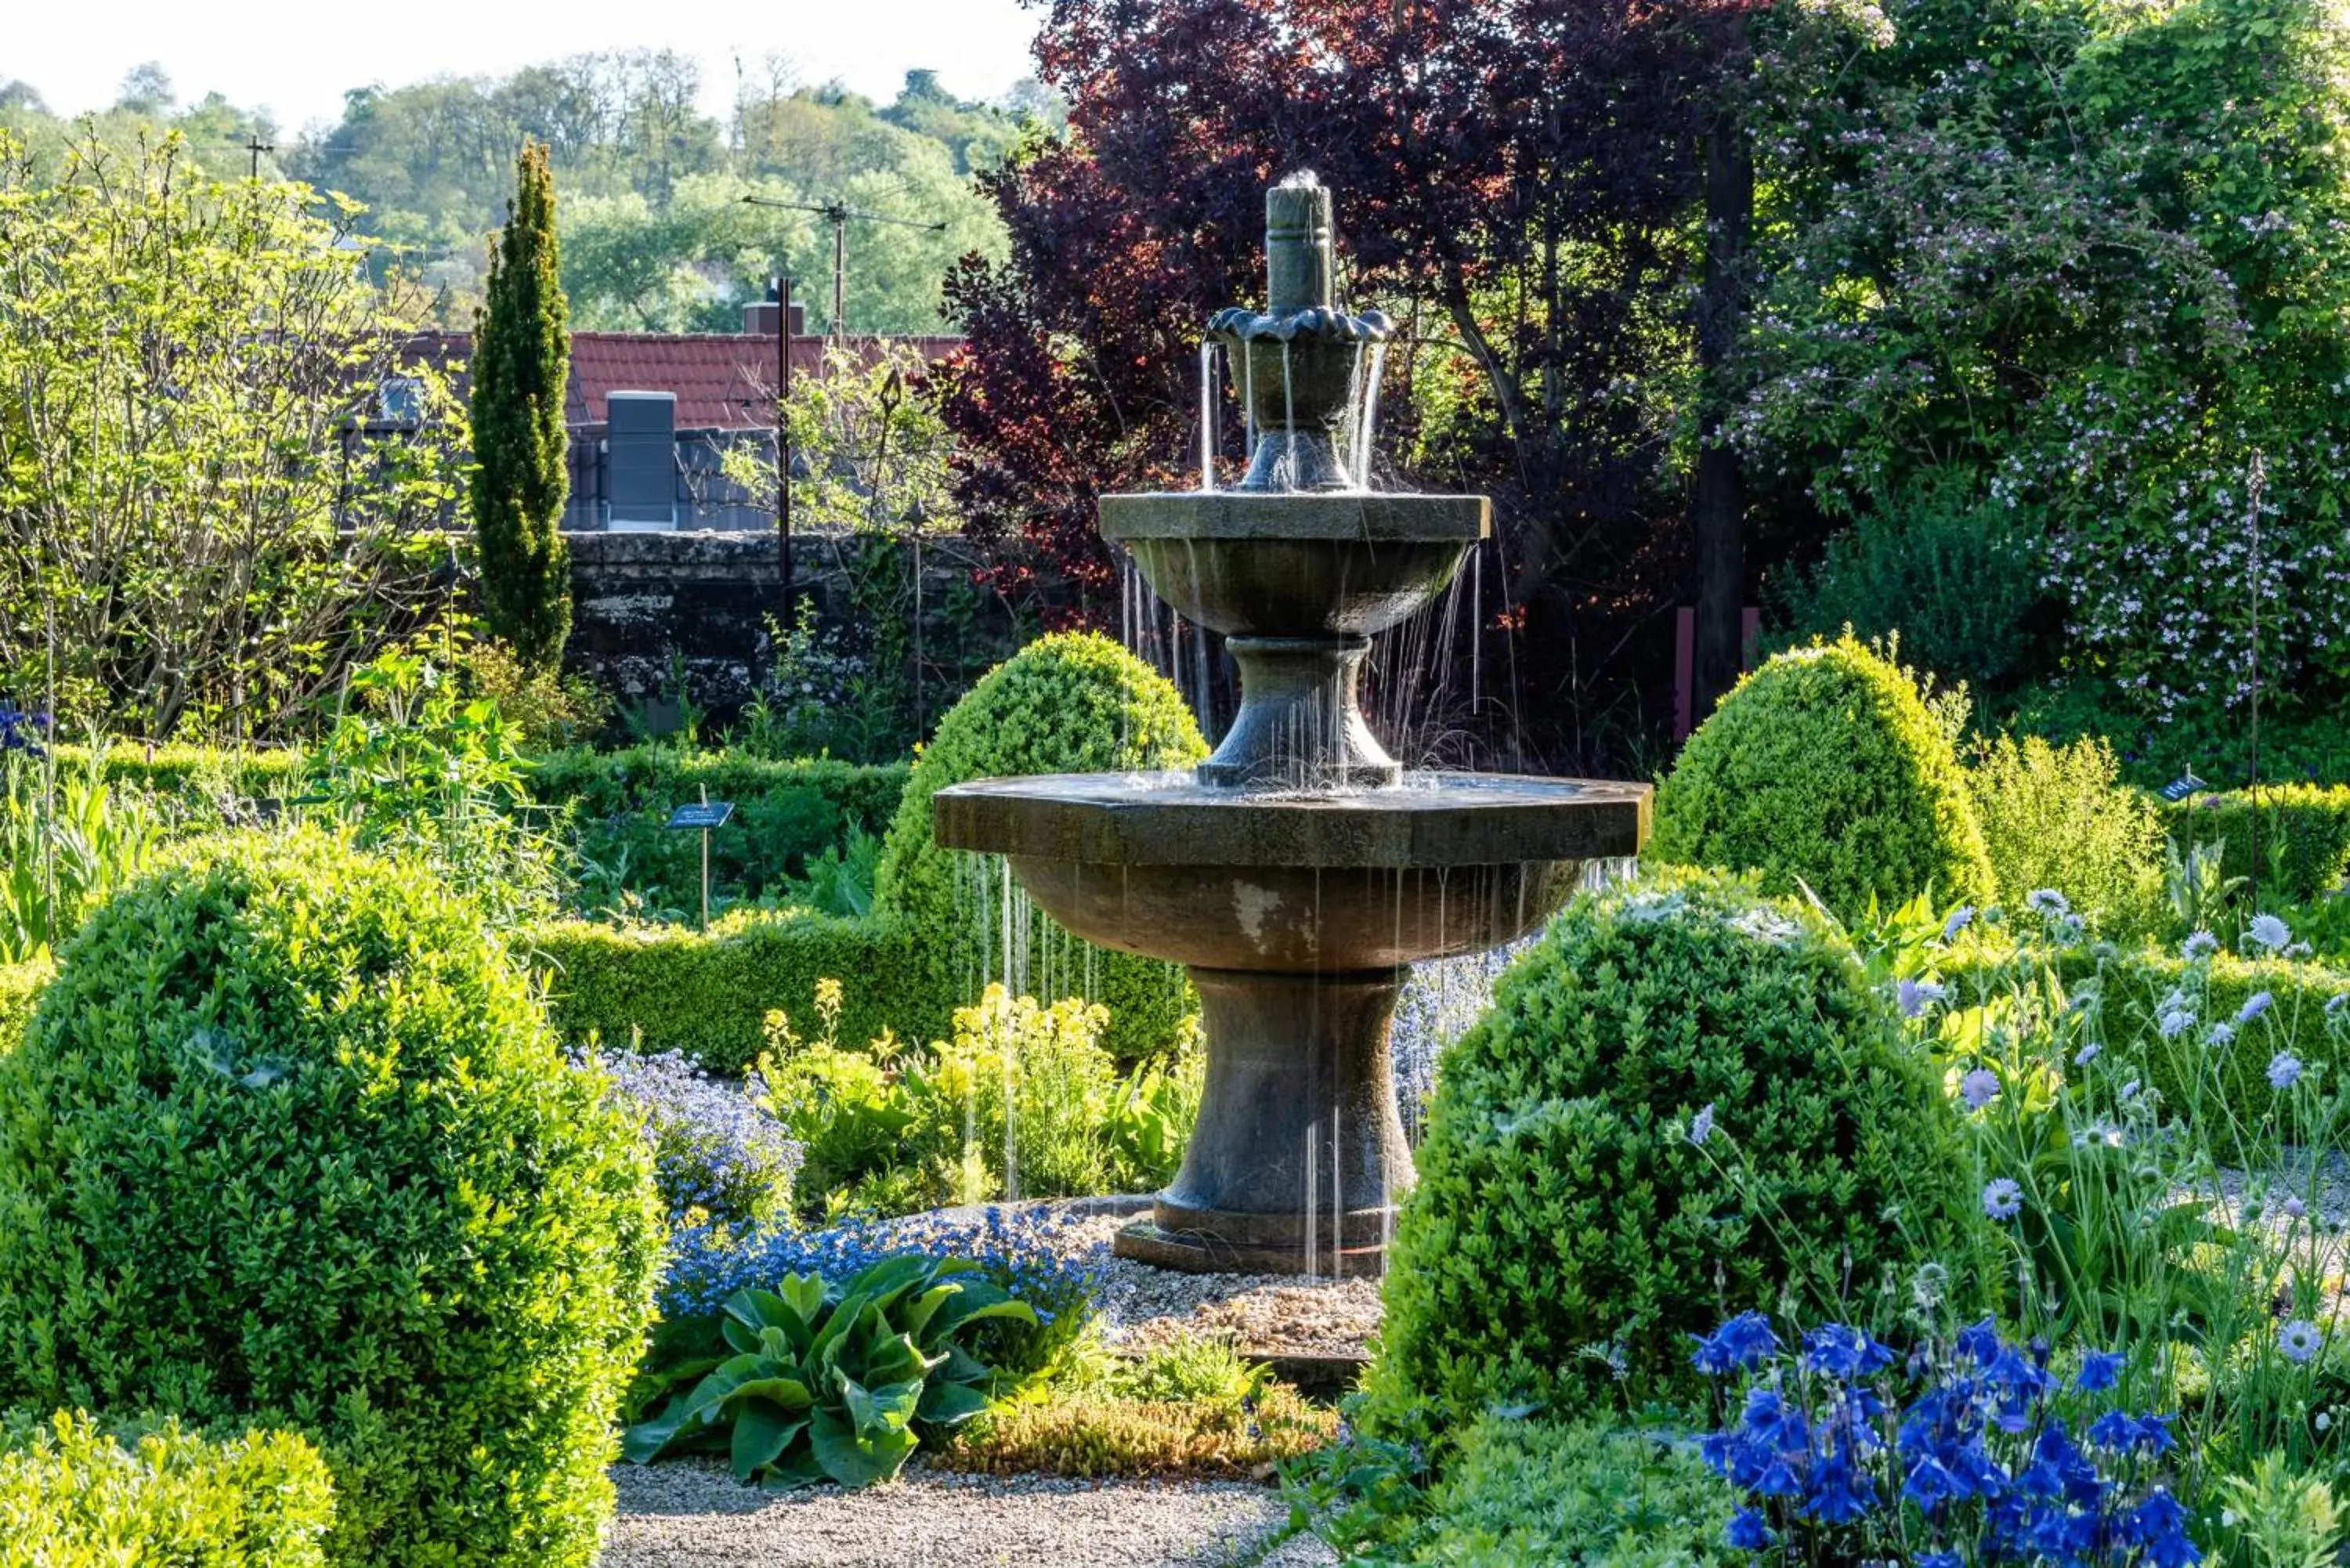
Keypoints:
pixel 641 444
pixel 759 318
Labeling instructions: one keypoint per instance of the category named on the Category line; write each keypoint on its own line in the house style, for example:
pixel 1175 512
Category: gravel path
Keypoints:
pixel 691 1513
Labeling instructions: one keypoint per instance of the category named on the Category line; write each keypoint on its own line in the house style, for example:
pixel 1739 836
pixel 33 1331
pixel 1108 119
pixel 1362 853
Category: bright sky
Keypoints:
pixel 295 57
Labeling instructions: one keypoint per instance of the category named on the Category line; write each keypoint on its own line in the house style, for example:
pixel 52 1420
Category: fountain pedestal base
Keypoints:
pixel 1299 1157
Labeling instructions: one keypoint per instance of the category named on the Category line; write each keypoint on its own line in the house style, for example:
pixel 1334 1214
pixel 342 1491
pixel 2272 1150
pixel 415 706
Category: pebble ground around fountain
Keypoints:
pixel 691 1513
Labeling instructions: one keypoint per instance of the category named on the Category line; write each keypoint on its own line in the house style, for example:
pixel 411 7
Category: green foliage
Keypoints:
pixel 2284 1518
pixel 2058 817
pixel 839 881
pixel 2019 238
pixel 817 1380
pixel 68 841
pixel 1021 1100
pixel 288 1142
pixel 787 815
pixel 1937 564
pixel 522 358
pixel 1092 1436
pixel 73 1496
pixel 2292 839
pixel 195 556
pixel 2131 988
pixel 1575 1497
pixel 1826 768
pixel 709 993
pixel 1569 1230
pixel 1070 703
pixel 20 988
pixel 415 771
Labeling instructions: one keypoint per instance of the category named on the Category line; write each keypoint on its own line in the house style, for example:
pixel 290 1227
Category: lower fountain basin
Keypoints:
pixel 1295 914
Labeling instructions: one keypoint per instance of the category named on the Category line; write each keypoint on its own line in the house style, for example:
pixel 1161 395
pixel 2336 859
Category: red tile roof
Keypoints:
pixel 722 380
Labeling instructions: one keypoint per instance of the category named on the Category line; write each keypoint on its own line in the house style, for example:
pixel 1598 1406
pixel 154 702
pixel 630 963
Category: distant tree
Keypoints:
pixel 146 89
pixel 522 355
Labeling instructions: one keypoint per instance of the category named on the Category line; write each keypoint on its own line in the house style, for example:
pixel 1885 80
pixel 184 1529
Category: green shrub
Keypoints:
pixel 2299 830
pixel 20 987
pixel 786 814
pixel 1522 1493
pixel 2131 989
pixel 287 1141
pixel 1568 1232
pixel 1941 564
pixel 1824 767
pixel 1066 703
pixel 2059 816
pixel 708 995
pixel 72 1496
pixel 894 1128
pixel 1092 1436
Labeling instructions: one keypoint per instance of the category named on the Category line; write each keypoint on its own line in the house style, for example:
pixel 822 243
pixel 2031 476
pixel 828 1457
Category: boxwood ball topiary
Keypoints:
pixel 287 1140
pixel 1685 1101
pixel 1070 703
pixel 1825 768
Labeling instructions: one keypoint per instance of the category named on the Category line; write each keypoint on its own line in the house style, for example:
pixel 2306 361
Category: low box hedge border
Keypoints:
pixel 708 994
pixel 2311 822
pixel 2131 987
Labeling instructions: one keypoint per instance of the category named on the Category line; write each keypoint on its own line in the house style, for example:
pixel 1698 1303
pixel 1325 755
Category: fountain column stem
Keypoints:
pixel 1301 725
pixel 1284 1052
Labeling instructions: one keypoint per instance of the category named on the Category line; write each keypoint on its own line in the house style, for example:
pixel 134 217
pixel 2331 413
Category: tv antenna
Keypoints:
pixel 840 215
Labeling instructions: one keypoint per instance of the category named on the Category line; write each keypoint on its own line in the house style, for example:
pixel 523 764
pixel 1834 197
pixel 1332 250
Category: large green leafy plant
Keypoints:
pixel 1686 1099
pixel 812 1380
pixel 287 1142
pixel 1071 703
pixel 1824 769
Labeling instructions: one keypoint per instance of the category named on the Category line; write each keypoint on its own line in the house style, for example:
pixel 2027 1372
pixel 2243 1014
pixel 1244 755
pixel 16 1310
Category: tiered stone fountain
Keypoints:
pixel 1301 869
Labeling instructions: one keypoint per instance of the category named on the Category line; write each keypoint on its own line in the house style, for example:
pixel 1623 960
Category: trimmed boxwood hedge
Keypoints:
pixel 1825 768
pixel 289 1143
pixel 2312 821
pixel 1575 1191
pixel 708 995
pixel 72 1493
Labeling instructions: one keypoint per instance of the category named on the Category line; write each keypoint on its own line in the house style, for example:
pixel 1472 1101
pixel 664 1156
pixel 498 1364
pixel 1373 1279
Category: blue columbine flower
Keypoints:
pixel 2100 1370
pixel 2158 1527
pixel 1738 1345
pixel 1845 1353
pixel 1747 1533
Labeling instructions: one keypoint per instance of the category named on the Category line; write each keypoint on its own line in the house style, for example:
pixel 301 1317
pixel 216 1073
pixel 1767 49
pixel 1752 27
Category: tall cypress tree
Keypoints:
pixel 522 358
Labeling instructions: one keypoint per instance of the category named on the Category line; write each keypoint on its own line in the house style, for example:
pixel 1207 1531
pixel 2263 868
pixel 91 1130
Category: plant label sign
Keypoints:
pixel 2179 788
pixel 703 814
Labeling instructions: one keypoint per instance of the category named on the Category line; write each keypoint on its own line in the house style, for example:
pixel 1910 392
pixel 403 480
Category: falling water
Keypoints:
pixel 1313 1172
pixel 1350 423
pixel 1369 417
pixel 1248 400
pixel 1208 417
pixel 1338 1204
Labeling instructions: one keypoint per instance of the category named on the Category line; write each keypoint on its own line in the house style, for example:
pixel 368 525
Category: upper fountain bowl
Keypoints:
pixel 1287 564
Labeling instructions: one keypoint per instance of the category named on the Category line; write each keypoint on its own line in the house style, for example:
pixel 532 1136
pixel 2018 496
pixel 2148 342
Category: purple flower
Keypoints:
pixel 2003 1199
pixel 2087 1054
pixel 1702 1126
pixel 2048 902
pixel 1961 919
pixel 2200 945
pixel 2174 1024
pixel 2100 1370
pixel 1738 1345
pixel 2268 931
pixel 1747 1533
pixel 2284 1071
pixel 2254 1005
pixel 1914 996
pixel 1979 1089
pixel 2299 1342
